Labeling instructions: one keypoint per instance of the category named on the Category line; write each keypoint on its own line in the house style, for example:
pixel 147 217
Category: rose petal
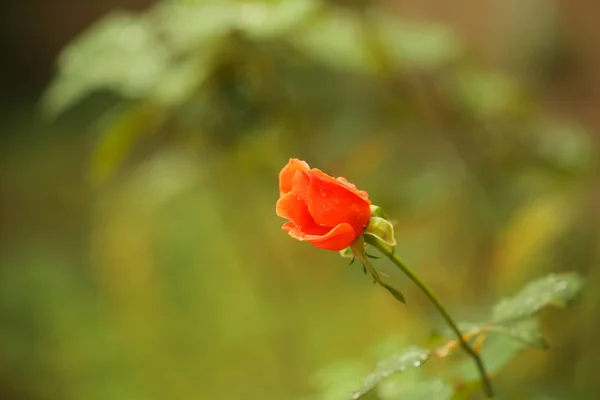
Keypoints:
pixel 295 209
pixel 331 202
pixel 361 193
pixel 336 239
pixel 300 185
pixel 286 176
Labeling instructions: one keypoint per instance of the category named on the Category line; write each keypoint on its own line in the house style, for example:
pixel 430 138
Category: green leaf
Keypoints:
pixel 496 353
pixel 337 379
pixel 465 390
pixel 486 93
pixel 191 27
pixel 552 290
pixel 120 53
pixel 417 45
pixel 388 347
pixel 336 39
pixel 464 327
pixel 394 389
pixel 526 332
pixel 399 296
pixel 413 357
pixel 181 80
pixel 273 19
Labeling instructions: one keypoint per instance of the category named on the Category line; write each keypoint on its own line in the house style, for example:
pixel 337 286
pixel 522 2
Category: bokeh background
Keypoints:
pixel 141 257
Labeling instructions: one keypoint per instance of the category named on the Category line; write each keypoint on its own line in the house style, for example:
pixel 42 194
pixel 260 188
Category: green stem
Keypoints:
pixel 487 385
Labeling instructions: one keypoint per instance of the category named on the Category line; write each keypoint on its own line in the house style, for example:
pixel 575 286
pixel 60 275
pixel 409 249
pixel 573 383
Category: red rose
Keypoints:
pixel 327 212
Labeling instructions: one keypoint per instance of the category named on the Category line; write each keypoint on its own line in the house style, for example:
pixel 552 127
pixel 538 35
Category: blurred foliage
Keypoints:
pixel 512 319
pixel 190 290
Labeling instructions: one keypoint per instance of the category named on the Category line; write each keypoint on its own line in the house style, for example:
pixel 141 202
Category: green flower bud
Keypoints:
pixel 377 211
pixel 382 230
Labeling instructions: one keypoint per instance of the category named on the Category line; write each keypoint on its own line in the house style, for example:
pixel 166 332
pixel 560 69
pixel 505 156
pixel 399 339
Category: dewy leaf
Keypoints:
pixel 335 380
pixel 414 390
pixel 496 353
pixel 413 357
pixel 552 290
pixel 527 332
pixel 464 327
pixel 386 348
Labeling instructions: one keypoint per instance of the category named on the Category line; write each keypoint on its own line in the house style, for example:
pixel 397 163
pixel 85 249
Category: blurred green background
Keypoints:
pixel 141 257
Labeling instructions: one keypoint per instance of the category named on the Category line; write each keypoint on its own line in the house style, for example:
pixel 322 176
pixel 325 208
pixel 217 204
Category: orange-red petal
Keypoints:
pixel 360 193
pixel 286 176
pixel 338 238
pixel 331 202
pixel 295 209
pixel 301 184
